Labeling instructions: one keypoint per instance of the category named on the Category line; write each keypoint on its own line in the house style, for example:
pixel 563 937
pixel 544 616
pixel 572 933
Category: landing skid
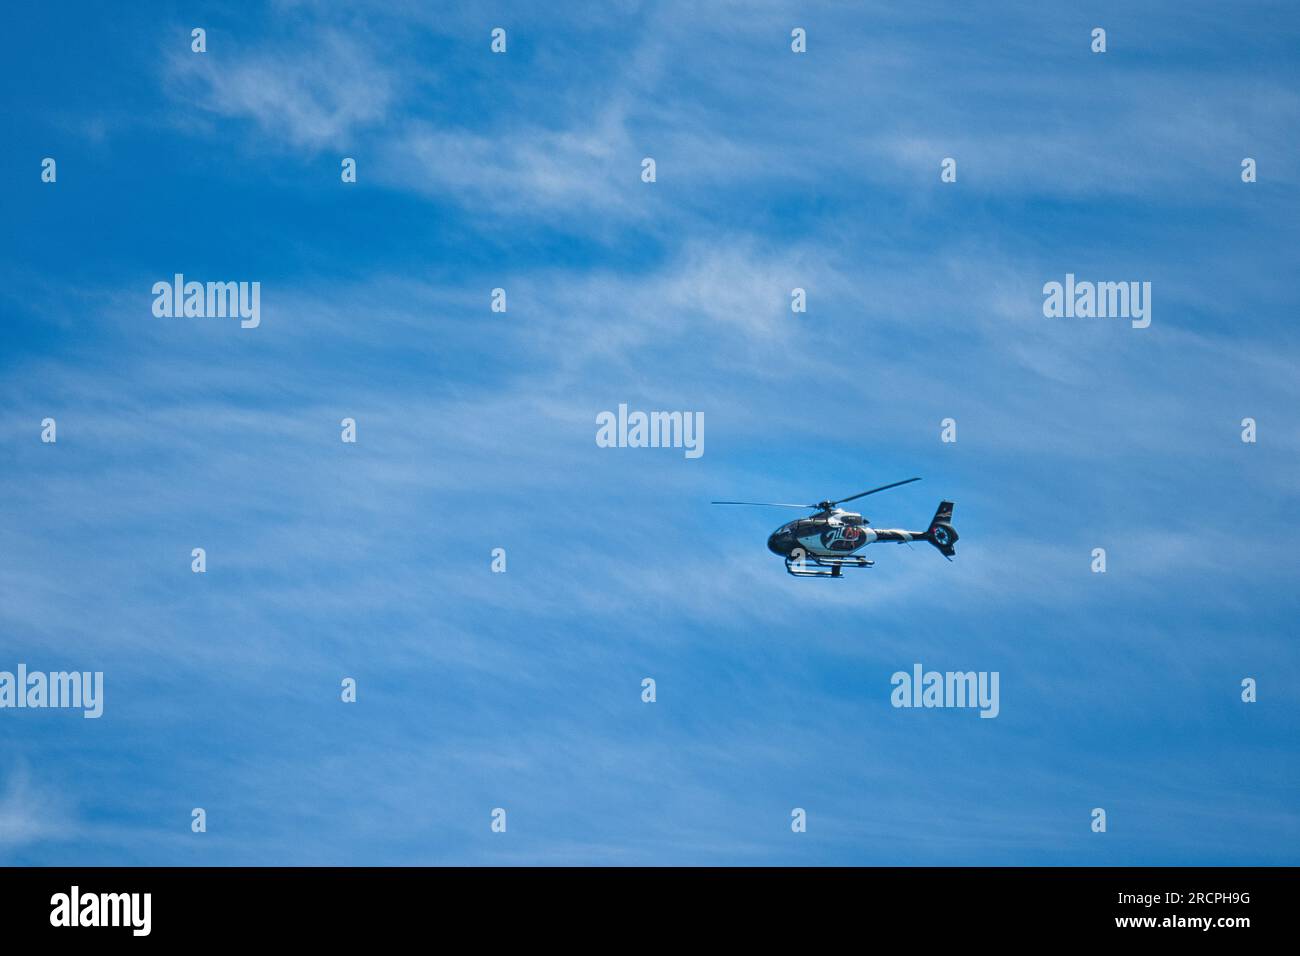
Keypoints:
pixel 824 567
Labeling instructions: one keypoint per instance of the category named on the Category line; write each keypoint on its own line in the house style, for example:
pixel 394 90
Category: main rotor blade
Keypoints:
pixel 863 494
pixel 763 504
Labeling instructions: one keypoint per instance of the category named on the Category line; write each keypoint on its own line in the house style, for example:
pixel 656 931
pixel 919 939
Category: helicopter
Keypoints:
pixel 827 538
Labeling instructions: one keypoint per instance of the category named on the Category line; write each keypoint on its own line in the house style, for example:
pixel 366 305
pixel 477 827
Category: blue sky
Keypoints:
pixel 476 430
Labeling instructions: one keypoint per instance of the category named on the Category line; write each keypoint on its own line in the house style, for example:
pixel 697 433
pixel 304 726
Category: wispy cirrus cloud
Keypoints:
pixel 317 94
pixel 32 812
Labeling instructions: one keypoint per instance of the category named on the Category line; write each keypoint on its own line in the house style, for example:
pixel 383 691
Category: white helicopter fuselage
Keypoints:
pixel 834 534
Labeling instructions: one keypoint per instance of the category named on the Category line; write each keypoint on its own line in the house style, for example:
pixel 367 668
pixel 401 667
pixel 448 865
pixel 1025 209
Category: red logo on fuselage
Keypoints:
pixel 843 538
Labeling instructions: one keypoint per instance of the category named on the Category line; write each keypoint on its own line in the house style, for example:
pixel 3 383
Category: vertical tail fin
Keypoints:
pixel 941 533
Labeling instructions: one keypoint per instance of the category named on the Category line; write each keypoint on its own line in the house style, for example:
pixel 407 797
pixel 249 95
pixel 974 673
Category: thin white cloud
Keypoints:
pixel 31 812
pixel 311 96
